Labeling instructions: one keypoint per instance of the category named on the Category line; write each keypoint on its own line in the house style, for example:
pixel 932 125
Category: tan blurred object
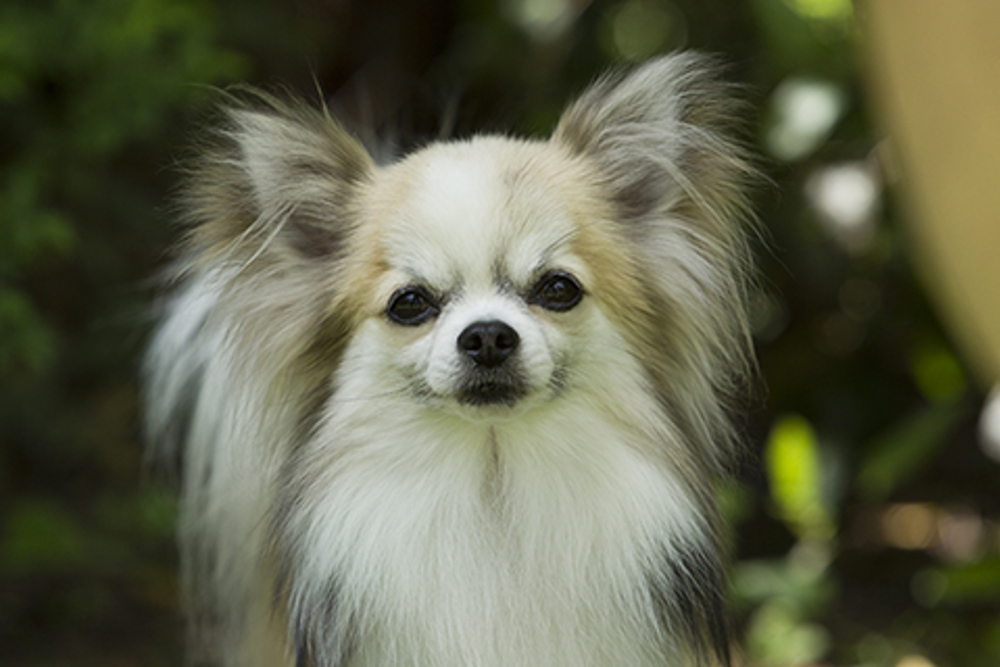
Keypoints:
pixel 935 75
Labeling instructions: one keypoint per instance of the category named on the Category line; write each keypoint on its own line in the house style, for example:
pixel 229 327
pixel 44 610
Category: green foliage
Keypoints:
pixel 89 91
pixel 906 449
pixel 794 468
pixel 79 81
pixel 24 337
pixel 784 597
pixel 42 536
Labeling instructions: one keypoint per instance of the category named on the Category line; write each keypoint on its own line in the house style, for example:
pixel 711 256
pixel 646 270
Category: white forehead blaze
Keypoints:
pixel 477 208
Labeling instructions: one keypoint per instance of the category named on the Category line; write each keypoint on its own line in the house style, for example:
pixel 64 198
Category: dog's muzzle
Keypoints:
pixel 492 377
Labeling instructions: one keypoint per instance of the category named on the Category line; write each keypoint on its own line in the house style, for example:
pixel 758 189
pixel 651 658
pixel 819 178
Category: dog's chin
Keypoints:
pixel 492 399
pixel 490 394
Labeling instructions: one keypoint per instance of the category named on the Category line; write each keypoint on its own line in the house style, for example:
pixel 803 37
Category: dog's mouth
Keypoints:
pixel 496 387
pixel 490 392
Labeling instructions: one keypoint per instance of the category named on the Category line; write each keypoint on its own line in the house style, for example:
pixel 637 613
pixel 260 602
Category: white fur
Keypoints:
pixel 372 516
pixel 465 573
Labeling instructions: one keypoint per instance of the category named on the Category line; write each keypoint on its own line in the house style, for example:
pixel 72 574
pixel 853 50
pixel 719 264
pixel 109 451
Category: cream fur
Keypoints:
pixel 342 505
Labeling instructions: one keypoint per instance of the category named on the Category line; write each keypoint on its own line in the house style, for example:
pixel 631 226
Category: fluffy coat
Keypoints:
pixel 356 491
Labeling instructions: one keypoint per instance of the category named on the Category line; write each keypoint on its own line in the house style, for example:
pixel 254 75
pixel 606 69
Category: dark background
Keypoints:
pixel 866 521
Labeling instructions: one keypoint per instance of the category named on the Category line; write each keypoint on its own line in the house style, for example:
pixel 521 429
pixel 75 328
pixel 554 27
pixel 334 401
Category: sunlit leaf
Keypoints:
pixel 794 470
pixel 824 10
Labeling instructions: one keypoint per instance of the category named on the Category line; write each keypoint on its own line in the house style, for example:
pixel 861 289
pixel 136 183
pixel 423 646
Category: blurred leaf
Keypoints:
pixel 794 470
pixel 898 455
pixel 80 79
pixel 778 636
pixel 25 340
pixel 823 10
pixel 797 42
pixel 938 373
pixel 41 535
pixel 991 640
pixel 977 582
pixel 131 61
pixel 16 53
pixel 800 585
pixel 875 650
pixel 29 229
pixel 789 593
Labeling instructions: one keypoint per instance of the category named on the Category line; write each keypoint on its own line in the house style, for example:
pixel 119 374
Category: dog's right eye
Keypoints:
pixel 411 306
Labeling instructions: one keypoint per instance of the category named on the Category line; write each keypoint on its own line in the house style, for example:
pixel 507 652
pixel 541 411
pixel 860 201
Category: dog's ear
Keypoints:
pixel 660 142
pixel 277 180
pixel 660 136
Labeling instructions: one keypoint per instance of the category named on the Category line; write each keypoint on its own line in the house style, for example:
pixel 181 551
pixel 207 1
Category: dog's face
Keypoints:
pixel 491 277
pixel 484 302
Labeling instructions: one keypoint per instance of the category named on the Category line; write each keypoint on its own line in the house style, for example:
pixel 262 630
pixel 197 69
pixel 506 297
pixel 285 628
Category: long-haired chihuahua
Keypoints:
pixel 467 408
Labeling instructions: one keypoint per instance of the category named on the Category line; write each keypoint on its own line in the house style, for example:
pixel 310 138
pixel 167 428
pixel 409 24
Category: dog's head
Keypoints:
pixel 491 277
pixel 485 299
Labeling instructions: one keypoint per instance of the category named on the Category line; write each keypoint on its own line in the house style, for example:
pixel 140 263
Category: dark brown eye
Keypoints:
pixel 411 306
pixel 558 291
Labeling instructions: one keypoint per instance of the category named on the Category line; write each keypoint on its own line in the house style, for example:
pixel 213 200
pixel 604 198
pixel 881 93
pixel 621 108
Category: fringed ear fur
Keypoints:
pixel 277 182
pixel 661 141
pixel 661 136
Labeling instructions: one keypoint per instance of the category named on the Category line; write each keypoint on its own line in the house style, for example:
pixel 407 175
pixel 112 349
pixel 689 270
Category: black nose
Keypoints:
pixel 488 343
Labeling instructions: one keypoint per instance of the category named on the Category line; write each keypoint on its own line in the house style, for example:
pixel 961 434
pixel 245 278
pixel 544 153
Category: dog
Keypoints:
pixel 467 408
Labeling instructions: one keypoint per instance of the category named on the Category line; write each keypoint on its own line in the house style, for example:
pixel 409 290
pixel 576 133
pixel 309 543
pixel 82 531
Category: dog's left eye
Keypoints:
pixel 411 306
pixel 558 291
